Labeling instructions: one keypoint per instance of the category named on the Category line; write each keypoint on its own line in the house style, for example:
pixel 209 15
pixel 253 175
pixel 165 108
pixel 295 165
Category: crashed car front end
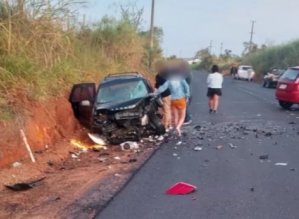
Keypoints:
pixel 124 121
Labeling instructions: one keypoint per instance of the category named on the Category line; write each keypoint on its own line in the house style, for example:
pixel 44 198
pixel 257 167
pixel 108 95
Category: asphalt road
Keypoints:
pixel 231 183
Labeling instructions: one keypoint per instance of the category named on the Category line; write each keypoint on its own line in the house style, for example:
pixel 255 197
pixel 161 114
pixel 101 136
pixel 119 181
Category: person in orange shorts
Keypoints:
pixel 180 92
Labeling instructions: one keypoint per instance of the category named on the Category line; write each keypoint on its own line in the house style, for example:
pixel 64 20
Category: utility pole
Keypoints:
pixel 211 45
pixel 152 24
pixel 221 48
pixel 251 34
pixel 152 34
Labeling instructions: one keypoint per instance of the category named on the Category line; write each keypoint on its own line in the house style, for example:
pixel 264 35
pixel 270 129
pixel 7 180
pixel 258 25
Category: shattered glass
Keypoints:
pixel 126 90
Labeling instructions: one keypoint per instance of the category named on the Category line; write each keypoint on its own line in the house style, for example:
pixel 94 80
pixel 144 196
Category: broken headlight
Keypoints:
pixel 101 117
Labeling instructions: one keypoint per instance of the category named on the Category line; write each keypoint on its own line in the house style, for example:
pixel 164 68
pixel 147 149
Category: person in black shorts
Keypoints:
pixel 214 83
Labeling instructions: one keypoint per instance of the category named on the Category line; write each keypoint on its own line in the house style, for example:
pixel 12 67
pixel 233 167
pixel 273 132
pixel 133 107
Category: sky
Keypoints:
pixel 191 25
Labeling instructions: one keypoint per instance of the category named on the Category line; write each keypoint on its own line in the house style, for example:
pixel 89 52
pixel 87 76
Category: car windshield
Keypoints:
pixel 290 74
pixel 246 67
pixel 277 71
pixel 125 90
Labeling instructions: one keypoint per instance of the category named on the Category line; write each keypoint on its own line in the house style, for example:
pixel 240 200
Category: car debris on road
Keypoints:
pixel 180 188
pixel 281 164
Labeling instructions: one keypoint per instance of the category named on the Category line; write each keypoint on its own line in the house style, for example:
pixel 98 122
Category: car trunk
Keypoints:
pixel 289 81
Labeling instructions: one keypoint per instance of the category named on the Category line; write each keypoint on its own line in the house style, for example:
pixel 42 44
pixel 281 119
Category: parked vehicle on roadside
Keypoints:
pixel 287 89
pixel 120 110
pixel 271 77
pixel 245 72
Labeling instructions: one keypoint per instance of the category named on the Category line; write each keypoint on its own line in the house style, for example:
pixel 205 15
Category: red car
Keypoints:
pixel 287 89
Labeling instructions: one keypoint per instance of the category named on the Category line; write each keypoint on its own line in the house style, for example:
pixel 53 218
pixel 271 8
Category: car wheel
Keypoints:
pixel 268 85
pixel 285 105
pixel 157 124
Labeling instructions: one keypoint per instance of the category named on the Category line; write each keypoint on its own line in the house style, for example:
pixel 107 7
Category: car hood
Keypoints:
pixel 119 104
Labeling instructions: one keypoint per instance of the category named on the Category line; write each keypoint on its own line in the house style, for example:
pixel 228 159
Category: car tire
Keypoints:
pixel 157 124
pixel 285 105
pixel 264 84
pixel 268 84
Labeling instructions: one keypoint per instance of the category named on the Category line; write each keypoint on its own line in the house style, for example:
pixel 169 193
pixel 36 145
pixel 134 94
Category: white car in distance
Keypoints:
pixel 245 72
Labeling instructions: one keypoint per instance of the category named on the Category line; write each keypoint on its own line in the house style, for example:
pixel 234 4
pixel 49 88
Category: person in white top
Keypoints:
pixel 214 83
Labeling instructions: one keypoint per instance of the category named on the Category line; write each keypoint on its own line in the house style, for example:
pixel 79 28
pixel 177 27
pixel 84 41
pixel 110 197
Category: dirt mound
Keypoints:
pixel 43 123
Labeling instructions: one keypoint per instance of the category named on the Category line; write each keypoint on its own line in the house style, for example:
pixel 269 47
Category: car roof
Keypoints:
pixel 116 80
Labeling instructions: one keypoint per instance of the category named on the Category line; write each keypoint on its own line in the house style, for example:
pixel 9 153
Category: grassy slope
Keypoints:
pixel 40 58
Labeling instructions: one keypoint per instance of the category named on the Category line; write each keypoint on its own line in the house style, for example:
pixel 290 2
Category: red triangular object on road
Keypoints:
pixel 180 188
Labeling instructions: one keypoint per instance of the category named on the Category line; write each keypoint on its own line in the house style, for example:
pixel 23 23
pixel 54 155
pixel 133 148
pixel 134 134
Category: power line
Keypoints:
pixel 251 36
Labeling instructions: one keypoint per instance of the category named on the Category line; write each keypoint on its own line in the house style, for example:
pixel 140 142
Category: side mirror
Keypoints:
pixel 85 103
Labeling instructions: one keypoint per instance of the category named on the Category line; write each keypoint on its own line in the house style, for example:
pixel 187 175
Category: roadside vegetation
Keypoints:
pixel 45 47
pixel 261 58
pixel 280 56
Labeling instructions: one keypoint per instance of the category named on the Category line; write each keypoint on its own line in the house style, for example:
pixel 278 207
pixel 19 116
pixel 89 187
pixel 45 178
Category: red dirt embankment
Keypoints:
pixel 43 123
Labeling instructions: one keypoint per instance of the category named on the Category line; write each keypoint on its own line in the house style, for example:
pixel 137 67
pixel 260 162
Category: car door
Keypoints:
pixel 82 99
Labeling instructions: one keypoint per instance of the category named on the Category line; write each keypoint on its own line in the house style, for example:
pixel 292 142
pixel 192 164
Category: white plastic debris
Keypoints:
pixel 129 145
pixel 281 164
pixel 179 143
pixel 198 148
pixel 74 156
pixel 97 139
pixel 161 138
pixel 232 146
pixel 117 175
pixel 175 155
pixel 117 158
pixel 16 164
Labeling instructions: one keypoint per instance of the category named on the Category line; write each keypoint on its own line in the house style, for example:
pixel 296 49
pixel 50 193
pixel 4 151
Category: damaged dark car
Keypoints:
pixel 120 110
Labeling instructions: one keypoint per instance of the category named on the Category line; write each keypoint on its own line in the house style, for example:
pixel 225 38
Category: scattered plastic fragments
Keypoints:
pixel 232 146
pixel 25 186
pixel 219 147
pixel 179 143
pixel 74 156
pixel 197 127
pixel 268 134
pixel 175 155
pixel 198 148
pixel 132 160
pixel 50 163
pixel 161 138
pixel 281 164
pixel 117 175
pixel 129 145
pixel 16 164
pixel 264 157
pixel 180 188
pixel 117 158
pixel 96 139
